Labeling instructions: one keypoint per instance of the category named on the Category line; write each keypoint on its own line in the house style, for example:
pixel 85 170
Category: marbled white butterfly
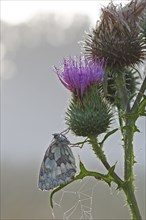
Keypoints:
pixel 58 166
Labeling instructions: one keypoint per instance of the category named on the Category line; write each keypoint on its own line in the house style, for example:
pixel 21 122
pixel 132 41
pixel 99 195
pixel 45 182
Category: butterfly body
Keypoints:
pixel 58 166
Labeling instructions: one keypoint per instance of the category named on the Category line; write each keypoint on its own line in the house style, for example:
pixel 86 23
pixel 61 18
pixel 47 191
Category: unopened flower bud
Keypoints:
pixel 89 117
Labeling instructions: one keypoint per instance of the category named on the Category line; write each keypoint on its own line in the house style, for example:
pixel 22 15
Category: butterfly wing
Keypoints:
pixel 58 166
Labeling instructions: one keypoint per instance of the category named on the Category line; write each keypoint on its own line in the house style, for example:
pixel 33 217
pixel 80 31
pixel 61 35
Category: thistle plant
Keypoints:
pixel 103 81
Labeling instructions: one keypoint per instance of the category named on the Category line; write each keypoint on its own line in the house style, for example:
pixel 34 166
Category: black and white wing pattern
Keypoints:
pixel 58 166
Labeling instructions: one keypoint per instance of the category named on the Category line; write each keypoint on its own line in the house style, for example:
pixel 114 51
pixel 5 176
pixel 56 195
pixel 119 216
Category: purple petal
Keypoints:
pixel 78 74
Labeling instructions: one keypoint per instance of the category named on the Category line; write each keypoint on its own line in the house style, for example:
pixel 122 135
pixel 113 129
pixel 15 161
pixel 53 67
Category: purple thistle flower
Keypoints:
pixel 78 73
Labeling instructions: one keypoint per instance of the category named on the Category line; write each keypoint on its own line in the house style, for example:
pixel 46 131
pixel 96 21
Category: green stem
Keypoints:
pixel 122 92
pixel 128 147
pixel 131 200
pixel 125 186
pixel 128 174
pixel 129 154
pixel 100 154
pixel 120 121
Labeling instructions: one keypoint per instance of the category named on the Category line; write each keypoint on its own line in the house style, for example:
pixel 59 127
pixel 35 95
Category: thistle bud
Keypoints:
pixel 91 116
pixel 131 81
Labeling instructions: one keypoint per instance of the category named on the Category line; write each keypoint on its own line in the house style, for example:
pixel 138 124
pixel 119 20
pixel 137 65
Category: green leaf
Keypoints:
pixel 142 107
pixel 83 173
pixel 138 109
pixel 143 114
pixel 54 191
pixel 136 129
pixel 110 174
pixel 131 115
pixel 111 170
pixel 107 135
pixel 82 169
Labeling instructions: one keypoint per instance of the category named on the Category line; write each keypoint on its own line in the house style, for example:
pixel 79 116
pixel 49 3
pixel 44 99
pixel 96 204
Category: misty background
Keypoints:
pixel 33 105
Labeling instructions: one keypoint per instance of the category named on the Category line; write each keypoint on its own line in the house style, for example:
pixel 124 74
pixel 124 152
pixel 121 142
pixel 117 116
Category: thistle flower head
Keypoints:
pixel 117 36
pixel 78 74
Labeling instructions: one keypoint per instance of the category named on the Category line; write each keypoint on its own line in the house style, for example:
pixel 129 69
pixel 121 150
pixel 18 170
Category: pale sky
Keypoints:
pixel 15 12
